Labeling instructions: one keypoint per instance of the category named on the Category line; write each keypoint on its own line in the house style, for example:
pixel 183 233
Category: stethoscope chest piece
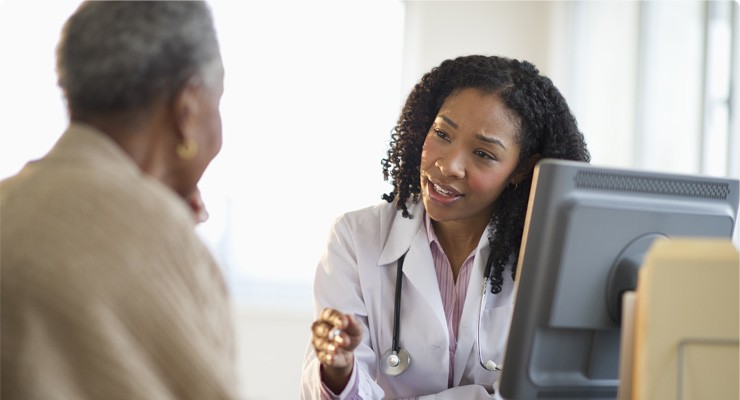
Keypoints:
pixel 395 363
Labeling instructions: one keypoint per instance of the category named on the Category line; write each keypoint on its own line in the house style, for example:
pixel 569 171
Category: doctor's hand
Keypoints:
pixel 334 337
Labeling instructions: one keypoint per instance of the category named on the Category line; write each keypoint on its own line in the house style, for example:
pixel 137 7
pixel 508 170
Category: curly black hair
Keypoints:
pixel 547 129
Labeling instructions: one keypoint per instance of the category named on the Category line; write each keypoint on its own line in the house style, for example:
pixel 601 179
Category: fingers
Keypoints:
pixel 332 353
pixel 353 327
pixel 334 317
pixel 329 327
pixel 330 341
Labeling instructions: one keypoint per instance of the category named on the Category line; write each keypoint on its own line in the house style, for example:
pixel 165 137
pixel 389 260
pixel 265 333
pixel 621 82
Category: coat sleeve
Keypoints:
pixel 337 285
pixel 470 392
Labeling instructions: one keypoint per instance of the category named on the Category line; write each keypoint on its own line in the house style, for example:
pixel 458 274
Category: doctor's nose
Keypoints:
pixel 451 165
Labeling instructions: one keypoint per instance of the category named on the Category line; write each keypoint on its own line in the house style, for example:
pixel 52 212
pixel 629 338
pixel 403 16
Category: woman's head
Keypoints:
pixel 545 128
pixel 117 57
pixel 469 157
pixel 140 68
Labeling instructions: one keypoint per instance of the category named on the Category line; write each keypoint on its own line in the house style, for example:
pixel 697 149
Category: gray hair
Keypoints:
pixel 122 56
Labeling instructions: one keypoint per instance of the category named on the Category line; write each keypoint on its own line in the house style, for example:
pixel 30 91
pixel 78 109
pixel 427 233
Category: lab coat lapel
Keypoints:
pixel 402 232
pixel 409 236
pixel 419 269
pixel 467 332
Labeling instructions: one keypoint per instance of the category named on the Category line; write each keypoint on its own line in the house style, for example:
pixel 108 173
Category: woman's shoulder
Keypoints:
pixel 380 214
pixel 375 222
pixel 378 211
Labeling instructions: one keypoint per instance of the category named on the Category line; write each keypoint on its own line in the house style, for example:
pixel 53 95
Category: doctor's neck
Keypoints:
pixel 458 238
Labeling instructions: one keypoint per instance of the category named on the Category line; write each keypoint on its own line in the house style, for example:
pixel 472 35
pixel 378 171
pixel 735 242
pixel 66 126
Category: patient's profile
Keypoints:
pixel 107 292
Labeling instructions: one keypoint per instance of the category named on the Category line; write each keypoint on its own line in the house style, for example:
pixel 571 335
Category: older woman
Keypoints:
pixel 107 292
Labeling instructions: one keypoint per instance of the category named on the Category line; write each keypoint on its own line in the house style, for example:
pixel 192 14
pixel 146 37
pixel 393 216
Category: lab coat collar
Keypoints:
pixel 403 232
pixel 409 236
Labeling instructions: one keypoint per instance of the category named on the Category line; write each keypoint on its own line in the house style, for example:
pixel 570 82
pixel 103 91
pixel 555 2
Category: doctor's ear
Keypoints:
pixel 524 169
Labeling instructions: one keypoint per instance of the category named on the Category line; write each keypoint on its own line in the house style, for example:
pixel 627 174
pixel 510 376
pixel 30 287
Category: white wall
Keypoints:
pixel 30 103
pixel 271 345
pixel 603 73
pixel 670 140
pixel 312 91
pixel 438 30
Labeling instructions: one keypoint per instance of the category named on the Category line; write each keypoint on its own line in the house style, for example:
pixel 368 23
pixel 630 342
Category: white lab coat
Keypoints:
pixel 357 275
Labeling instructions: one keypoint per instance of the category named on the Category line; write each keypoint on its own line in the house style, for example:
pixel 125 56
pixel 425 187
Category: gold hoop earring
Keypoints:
pixel 187 150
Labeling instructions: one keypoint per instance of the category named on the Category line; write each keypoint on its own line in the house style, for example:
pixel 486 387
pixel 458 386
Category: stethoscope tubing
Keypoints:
pixel 397 305
pixel 400 356
pixel 489 364
pixel 396 360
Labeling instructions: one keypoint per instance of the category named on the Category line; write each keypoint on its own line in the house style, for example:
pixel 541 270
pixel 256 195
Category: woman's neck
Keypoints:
pixel 458 239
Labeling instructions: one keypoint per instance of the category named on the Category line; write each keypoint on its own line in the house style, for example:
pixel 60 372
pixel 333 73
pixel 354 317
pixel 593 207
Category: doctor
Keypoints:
pixel 399 289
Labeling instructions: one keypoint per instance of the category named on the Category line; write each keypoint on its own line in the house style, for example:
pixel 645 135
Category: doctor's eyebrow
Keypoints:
pixel 449 121
pixel 478 136
pixel 489 139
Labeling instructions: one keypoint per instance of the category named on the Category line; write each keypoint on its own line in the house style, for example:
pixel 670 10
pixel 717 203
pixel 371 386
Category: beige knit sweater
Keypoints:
pixel 106 292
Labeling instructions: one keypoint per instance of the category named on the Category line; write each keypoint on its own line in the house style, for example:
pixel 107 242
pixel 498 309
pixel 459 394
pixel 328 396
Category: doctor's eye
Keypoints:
pixel 485 155
pixel 441 134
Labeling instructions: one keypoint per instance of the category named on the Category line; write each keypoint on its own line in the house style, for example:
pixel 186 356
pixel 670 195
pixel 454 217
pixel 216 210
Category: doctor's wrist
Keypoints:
pixel 336 378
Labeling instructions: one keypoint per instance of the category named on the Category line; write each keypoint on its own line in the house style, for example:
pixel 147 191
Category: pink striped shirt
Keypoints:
pixel 453 298
pixel 453 292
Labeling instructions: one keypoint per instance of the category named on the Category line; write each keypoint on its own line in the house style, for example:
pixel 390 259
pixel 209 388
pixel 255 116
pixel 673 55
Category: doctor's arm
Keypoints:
pixel 337 286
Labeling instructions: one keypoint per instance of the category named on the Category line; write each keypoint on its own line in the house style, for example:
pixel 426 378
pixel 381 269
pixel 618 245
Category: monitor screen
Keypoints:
pixel 586 231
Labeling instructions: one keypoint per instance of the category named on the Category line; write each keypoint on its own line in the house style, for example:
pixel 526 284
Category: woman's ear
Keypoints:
pixel 525 169
pixel 186 109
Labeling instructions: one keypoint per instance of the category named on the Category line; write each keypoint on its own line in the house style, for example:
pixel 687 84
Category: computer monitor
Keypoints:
pixel 586 231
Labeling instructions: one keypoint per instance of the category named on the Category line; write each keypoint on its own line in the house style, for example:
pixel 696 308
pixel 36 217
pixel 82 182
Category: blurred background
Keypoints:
pixel 313 89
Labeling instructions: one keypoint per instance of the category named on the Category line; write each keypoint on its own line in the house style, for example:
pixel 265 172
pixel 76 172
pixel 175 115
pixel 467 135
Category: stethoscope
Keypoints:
pixel 396 360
